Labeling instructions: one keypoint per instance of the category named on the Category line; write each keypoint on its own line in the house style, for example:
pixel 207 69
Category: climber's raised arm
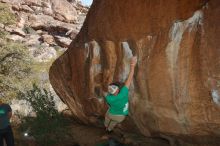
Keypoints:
pixel 131 73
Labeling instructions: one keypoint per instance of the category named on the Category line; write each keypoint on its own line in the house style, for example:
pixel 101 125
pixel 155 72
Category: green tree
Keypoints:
pixel 15 68
pixel 48 126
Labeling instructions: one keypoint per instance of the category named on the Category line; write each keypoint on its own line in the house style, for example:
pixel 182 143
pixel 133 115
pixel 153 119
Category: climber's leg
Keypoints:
pixel 112 120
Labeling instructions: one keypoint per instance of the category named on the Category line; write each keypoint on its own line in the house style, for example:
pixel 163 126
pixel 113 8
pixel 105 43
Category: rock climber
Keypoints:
pixel 117 100
pixel 5 127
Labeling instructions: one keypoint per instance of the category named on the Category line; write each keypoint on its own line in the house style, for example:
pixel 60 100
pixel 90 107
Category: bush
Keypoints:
pixel 6 16
pixel 15 60
pixel 29 30
pixel 48 127
pixel 2 34
pixel 15 67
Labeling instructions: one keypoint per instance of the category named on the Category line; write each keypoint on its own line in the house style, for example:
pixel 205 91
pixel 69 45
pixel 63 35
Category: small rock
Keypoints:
pixel 21 22
pixel 15 7
pixel 39 32
pixel 2 25
pixel 48 39
pixel 72 34
pixel 59 17
pixel 48 11
pixel 26 8
pixel 44 44
pixel 36 9
pixel 15 38
pixel 62 41
pixel 32 40
pixel 14 30
pixel 46 4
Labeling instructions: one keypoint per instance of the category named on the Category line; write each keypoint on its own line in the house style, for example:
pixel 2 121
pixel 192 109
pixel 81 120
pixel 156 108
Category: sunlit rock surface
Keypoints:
pixel 45 28
pixel 177 44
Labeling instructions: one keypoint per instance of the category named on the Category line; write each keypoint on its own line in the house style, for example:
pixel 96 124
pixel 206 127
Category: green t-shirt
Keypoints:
pixel 119 103
pixel 4 120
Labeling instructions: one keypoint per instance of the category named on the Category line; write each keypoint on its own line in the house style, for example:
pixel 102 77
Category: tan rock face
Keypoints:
pixel 61 10
pixel 178 54
pixel 64 9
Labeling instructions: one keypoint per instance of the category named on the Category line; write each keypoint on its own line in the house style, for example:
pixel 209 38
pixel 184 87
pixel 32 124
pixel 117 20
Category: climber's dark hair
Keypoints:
pixel 118 84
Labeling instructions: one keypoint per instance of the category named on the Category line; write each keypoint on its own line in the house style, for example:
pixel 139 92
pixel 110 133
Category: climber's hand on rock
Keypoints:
pixel 133 61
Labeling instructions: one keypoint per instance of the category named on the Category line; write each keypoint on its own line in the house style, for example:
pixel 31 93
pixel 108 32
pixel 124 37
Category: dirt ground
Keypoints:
pixel 82 135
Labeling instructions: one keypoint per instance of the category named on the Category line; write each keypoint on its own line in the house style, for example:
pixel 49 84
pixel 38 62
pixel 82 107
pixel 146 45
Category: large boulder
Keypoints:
pixel 177 44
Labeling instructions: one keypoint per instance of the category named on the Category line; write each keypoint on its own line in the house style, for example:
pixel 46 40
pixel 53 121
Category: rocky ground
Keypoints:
pixel 46 28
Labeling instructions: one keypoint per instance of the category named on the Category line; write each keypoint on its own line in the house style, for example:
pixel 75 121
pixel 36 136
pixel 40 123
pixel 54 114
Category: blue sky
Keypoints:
pixel 86 2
